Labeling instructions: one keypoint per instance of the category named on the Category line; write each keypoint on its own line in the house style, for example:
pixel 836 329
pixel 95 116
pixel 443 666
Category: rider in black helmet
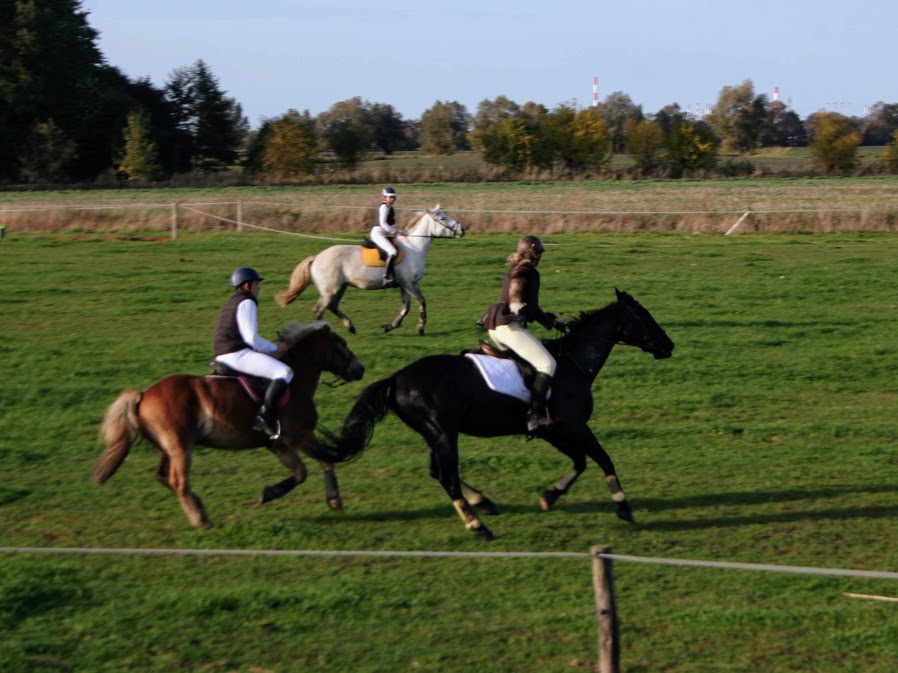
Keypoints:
pixel 239 346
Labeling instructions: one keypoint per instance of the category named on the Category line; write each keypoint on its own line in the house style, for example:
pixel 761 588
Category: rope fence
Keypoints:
pixel 602 574
pixel 240 223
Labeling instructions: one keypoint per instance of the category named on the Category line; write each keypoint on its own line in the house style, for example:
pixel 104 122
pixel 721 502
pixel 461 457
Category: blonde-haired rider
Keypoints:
pixel 507 321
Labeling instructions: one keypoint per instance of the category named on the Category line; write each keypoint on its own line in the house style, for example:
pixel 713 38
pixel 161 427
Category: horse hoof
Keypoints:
pixel 487 508
pixel 336 505
pixel 484 533
pixel 421 331
pixel 388 327
pixel 352 329
pixel 625 514
pixel 546 500
pixel 267 496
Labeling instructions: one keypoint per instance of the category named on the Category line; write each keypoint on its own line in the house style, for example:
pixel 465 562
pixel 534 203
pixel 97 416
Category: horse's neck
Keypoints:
pixel 419 235
pixel 305 377
pixel 593 351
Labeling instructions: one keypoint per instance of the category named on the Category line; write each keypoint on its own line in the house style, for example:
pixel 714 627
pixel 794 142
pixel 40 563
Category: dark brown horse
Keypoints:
pixel 182 411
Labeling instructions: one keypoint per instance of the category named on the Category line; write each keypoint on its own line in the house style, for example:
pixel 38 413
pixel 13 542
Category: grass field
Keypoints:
pixel 769 437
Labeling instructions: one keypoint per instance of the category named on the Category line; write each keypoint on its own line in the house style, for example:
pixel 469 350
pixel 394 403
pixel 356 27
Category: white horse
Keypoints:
pixel 340 265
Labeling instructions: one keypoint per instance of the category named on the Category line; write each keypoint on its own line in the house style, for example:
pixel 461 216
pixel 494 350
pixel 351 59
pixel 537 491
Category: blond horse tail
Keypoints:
pixel 119 430
pixel 299 281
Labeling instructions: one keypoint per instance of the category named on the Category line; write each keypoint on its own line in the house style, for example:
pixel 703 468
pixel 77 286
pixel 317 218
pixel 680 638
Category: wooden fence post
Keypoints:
pixel 239 215
pixel 174 221
pixel 606 611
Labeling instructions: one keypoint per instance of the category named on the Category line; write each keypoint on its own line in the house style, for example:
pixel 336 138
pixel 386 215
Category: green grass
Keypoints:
pixel 768 437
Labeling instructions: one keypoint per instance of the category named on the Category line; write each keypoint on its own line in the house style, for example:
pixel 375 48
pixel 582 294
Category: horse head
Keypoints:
pixel 319 343
pixel 638 328
pixel 440 225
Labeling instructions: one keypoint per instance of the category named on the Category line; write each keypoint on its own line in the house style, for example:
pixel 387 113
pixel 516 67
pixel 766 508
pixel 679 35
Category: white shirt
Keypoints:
pixel 382 219
pixel 248 326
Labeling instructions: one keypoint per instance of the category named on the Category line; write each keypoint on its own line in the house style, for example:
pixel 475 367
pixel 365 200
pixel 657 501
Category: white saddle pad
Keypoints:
pixel 501 375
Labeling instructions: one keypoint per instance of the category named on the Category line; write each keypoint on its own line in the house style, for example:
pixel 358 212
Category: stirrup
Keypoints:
pixel 272 430
pixel 534 422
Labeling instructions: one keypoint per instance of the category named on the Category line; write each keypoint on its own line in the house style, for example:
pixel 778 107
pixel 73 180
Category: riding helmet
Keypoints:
pixel 530 246
pixel 388 191
pixel 244 274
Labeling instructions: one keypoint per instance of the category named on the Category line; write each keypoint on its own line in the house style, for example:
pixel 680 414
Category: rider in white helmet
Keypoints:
pixel 386 221
pixel 239 346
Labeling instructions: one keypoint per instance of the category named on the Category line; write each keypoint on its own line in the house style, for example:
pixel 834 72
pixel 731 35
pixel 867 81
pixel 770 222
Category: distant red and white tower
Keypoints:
pixel 776 94
pixel 595 91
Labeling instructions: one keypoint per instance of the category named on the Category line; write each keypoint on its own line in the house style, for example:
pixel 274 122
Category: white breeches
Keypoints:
pixel 253 362
pixel 516 337
pixel 381 241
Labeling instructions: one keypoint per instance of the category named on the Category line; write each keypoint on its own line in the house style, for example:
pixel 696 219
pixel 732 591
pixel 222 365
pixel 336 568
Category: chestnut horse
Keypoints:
pixel 182 411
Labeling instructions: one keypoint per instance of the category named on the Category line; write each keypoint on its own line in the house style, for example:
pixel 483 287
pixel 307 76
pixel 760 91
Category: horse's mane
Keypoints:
pixel 579 326
pixel 294 331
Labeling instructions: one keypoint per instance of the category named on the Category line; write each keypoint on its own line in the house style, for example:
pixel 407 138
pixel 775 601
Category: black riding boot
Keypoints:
pixel 388 273
pixel 267 418
pixel 538 416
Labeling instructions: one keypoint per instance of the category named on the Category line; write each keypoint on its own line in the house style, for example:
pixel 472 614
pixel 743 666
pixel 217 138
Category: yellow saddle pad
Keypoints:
pixel 371 257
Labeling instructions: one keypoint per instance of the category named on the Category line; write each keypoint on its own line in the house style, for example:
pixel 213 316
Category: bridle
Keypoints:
pixel 455 227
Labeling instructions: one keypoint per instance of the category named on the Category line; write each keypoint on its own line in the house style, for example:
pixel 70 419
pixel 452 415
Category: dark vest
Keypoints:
pixel 227 334
pixel 391 217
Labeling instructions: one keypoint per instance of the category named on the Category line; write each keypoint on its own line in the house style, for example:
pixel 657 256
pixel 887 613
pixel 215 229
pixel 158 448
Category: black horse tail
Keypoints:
pixel 372 406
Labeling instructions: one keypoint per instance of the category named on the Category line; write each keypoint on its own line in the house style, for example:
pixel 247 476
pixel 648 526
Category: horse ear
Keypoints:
pixel 622 296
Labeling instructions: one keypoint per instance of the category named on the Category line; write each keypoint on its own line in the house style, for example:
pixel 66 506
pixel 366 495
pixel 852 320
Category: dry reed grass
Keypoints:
pixel 814 205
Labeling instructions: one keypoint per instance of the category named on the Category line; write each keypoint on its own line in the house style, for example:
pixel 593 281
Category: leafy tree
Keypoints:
pixel 511 142
pixel 489 114
pixel 140 157
pixel 290 147
pixel 690 146
pixel 617 109
pixel 835 142
pixel 387 127
pixel 577 140
pixel 890 158
pixel 47 153
pixel 645 143
pixel 782 128
pixel 346 131
pixel 669 115
pixel 880 124
pixel 211 126
pixel 738 118
pixel 444 128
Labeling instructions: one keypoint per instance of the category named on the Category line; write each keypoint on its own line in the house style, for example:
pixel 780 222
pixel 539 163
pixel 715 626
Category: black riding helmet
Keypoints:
pixel 531 246
pixel 243 275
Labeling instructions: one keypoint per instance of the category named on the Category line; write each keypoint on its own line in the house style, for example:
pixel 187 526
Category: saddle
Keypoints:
pixel 527 370
pixel 254 386
pixel 374 256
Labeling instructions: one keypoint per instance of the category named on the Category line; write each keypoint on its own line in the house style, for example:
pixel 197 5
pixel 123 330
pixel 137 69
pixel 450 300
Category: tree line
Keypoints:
pixel 68 116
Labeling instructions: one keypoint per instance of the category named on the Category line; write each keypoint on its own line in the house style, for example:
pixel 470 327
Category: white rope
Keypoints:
pixel 256 226
pixel 727 565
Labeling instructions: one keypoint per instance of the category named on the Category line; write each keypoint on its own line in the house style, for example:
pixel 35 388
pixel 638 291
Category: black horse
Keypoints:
pixel 441 396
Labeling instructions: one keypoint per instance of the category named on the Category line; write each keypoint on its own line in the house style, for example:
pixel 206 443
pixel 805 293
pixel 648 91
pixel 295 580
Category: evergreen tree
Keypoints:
pixel 210 126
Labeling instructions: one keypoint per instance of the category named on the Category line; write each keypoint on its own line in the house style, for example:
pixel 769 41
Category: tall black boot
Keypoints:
pixel 538 416
pixel 388 273
pixel 267 419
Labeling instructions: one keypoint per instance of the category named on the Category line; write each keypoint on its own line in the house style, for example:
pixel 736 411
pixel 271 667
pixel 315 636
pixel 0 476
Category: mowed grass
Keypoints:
pixel 769 437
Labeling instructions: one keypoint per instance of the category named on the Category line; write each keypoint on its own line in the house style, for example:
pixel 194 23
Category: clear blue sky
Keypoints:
pixel 273 55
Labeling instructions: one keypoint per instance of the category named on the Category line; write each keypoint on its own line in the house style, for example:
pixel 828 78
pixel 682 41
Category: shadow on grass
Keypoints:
pixel 644 507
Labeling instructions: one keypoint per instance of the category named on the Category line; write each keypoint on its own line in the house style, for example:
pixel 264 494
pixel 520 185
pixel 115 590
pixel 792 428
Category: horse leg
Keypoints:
pixel 173 472
pixel 331 487
pixel 582 442
pixel 397 321
pixel 474 497
pixel 414 291
pixel 291 460
pixel 444 461
pixel 331 302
